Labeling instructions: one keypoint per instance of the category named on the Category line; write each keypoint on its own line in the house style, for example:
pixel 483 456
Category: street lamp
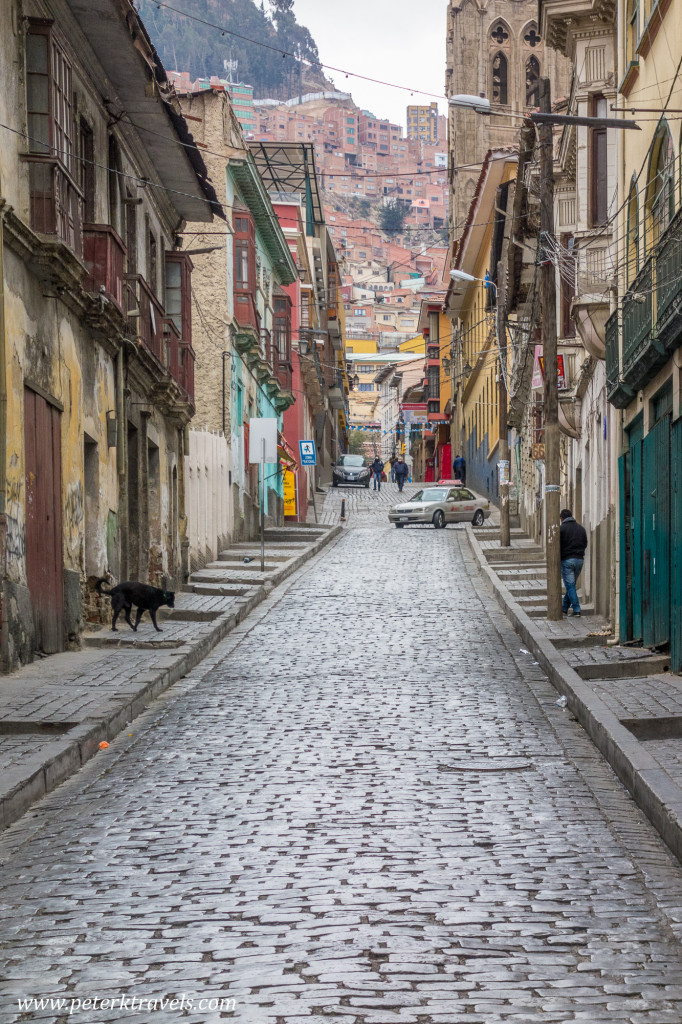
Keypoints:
pixel 481 105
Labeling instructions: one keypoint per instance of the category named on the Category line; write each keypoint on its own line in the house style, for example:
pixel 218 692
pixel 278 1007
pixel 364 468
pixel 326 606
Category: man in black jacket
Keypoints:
pixel 377 468
pixel 572 543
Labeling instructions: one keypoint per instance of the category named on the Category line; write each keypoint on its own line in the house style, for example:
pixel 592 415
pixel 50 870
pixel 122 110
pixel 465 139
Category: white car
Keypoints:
pixel 441 504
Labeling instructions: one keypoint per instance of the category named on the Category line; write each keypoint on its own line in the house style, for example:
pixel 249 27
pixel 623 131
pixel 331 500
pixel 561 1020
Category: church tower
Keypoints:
pixel 494 50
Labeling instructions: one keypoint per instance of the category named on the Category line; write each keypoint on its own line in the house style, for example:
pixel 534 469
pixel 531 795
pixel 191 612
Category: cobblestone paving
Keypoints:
pixel 365 806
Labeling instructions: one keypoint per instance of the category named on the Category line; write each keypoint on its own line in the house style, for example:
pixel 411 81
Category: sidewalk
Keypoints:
pixel 55 712
pixel 625 698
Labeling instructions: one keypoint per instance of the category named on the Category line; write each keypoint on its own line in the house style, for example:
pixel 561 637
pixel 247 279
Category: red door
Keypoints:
pixel 42 443
pixel 446 462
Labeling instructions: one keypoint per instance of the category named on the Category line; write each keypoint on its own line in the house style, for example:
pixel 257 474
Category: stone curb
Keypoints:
pixel 652 789
pixel 64 756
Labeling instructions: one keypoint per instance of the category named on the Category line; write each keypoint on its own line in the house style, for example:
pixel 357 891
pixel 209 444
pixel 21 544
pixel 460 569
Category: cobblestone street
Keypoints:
pixel 349 812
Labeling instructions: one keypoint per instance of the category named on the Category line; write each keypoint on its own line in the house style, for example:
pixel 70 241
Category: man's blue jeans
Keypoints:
pixel 377 481
pixel 570 570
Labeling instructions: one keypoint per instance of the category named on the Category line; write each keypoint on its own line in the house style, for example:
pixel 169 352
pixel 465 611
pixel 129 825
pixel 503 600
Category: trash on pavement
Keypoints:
pixel 561 702
pixel 103 745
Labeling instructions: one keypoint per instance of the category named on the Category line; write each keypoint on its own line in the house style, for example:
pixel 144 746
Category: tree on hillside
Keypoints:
pixel 392 217
pixel 186 45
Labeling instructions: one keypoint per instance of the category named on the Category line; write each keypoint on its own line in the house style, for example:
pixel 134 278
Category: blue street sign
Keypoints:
pixel 308 453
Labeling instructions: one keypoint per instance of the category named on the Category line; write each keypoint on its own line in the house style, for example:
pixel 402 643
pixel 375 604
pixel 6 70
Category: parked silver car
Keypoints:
pixel 440 506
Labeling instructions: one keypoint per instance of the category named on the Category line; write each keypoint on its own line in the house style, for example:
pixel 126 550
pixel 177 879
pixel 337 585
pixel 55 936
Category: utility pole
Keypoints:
pixel 503 464
pixel 549 351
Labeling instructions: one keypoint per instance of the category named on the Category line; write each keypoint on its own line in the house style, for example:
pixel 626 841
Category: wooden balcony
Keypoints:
pixel 178 357
pixel 618 393
pixel 104 256
pixel 141 300
pixel 245 310
pixel 56 201
pixel 643 353
pixel 669 285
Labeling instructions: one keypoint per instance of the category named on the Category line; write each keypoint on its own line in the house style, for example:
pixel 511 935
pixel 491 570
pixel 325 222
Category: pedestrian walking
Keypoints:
pixel 393 465
pixel 572 544
pixel 459 469
pixel 377 470
pixel 401 472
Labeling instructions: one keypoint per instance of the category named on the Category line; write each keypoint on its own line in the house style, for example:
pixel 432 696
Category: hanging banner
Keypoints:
pixel 289 493
pixel 539 371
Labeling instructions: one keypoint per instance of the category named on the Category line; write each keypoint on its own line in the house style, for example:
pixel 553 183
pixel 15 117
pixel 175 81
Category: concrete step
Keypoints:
pixel 237 557
pixel 567 643
pixel 539 611
pixel 218 589
pixel 620 668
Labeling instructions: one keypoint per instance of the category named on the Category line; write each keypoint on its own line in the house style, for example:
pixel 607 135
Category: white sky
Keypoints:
pixel 401 41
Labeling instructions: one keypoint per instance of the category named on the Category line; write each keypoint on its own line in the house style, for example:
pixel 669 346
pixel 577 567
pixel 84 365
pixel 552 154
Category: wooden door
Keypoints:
pixel 42 443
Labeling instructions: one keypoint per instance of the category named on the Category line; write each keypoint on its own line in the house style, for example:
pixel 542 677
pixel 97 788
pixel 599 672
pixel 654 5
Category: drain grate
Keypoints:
pixel 501 764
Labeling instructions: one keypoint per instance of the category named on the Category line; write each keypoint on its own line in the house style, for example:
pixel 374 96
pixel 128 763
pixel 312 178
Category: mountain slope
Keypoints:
pixel 187 45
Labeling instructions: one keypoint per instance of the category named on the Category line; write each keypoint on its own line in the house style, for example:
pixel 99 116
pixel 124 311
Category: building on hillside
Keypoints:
pixel 423 122
pixel 498 54
pixel 644 333
pixel 96 353
pixel 243 323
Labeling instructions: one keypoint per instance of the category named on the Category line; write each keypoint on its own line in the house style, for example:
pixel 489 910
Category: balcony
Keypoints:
pixel 149 312
pixel 618 393
pixel 56 202
pixel 178 357
pixel 643 353
pixel 104 256
pixel 337 398
pixel 245 311
pixel 669 280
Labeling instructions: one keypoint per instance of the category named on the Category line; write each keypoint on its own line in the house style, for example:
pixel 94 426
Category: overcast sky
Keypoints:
pixel 401 41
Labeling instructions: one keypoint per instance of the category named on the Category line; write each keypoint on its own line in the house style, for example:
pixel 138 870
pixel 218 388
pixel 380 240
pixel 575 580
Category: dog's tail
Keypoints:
pixel 96 584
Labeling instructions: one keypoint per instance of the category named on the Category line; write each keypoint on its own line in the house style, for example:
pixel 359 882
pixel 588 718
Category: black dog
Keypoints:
pixel 125 595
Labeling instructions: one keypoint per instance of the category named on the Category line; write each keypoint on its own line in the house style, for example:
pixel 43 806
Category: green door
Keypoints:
pixel 624 539
pixel 656 534
pixel 676 536
pixel 636 538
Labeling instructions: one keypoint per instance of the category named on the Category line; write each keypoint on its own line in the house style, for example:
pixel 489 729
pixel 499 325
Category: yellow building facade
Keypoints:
pixel 471 311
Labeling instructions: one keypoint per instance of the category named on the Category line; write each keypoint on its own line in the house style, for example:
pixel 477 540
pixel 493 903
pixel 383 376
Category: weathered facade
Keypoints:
pixel 96 361
pixel 644 333
pixel 243 313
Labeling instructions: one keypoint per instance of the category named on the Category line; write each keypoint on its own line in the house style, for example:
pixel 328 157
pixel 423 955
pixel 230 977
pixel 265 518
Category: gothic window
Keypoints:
pixel 499 91
pixel 532 82
pixel 531 37
pixel 499 34
pixel 660 191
